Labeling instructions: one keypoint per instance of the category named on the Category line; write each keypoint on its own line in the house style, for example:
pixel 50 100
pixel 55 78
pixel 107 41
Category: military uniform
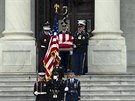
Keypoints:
pixel 40 91
pixel 79 51
pixel 56 90
pixel 72 89
pixel 43 45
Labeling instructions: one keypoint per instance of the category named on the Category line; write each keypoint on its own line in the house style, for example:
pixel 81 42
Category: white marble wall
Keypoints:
pixel 17 56
pixel 2 16
pixel 107 48
pixel 107 56
pixel 17 46
pixel 128 26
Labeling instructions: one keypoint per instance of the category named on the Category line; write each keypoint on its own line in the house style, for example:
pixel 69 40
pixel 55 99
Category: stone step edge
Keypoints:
pixel 107 99
pixel 118 90
pixel 108 95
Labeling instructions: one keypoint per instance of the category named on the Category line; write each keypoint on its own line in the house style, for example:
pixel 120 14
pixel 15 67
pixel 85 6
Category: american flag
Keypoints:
pixel 55 25
pixel 52 58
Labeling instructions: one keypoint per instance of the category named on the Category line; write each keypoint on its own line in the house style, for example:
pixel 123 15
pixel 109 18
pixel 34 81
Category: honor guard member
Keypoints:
pixel 72 88
pixel 80 48
pixel 44 39
pixel 60 71
pixel 56 88
pixel 64 54
pixel 40 88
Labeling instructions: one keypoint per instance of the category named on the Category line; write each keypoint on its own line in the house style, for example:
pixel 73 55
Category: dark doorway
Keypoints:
pixel 78 10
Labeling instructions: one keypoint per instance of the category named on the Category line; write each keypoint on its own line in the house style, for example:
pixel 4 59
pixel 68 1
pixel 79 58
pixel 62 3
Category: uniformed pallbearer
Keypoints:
pixel 44 39
pixel 72 88
pixel 64 54
pixel 40 88
pixel 56 88
pixel 80 48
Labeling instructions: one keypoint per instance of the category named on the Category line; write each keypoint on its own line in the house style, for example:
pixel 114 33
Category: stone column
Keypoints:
pixel 17 19
pixel 17 46
pixel 107 49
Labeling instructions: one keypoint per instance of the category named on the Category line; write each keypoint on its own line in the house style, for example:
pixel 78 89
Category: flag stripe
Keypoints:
pixel 65 40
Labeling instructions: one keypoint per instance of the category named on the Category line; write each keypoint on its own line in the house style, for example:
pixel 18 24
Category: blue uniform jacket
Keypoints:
pixel 73 94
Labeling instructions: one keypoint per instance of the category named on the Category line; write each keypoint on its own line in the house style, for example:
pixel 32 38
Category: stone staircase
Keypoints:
pixel 108 87
pixel 19 87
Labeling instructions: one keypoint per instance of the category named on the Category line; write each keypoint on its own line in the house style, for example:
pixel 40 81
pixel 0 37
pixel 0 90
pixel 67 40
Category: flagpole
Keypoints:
pixel 56 7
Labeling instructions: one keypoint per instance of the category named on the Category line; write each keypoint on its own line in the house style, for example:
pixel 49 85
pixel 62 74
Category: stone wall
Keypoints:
pixel 2 16
pixel 128 27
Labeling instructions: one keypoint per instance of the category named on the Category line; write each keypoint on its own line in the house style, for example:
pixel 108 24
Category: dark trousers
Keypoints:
pixel 70 97
pixel 78 62
pixel 42 52
pixel 64 59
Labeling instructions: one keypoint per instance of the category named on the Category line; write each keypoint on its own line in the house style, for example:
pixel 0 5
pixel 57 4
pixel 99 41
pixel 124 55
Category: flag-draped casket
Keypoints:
pixel 65 40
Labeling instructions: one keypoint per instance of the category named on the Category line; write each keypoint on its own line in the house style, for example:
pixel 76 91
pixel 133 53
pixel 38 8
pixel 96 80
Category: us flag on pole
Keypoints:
pixel 52 58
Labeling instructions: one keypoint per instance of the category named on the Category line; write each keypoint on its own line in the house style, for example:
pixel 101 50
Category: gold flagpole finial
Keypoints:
pixel 56 6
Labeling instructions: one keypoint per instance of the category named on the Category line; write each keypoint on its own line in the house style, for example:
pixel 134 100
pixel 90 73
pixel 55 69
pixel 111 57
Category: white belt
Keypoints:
pixel 43 46
pixel 42 93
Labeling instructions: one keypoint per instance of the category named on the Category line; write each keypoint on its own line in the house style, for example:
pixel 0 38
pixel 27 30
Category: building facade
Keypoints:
pixel 111 48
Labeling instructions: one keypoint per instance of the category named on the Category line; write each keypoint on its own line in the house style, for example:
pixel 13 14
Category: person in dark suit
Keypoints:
pixel 72 88
pixel 56 88
pixel 40 88
pixel 44 39
pixel 80 48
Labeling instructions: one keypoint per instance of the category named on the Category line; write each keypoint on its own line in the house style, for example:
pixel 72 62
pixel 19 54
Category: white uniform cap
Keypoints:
pixel 81 22
pixel 46 28
pixel 41 74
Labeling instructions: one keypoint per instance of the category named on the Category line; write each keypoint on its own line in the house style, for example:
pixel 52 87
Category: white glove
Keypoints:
pixel 36 93
pixel 71 52
pixel 66 89
pixel 74 46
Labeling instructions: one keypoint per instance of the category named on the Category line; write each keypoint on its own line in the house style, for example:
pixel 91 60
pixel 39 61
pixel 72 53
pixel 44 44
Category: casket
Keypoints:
pixel 65 41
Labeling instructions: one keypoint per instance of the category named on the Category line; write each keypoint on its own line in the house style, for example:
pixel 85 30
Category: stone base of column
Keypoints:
pixel 17 56
pixel 107 56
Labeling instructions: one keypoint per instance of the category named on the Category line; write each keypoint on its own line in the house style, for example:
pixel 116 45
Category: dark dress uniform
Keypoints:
pixel 44 42
pixel 56 90
pixel 73 93
pixel 79 52
pixel 42 89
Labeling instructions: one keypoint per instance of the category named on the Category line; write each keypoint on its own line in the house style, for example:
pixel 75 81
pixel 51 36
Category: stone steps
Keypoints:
pixel 107 100
pixel 17 87
pixel 108 87
pixel 17 98
pixel 108 96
